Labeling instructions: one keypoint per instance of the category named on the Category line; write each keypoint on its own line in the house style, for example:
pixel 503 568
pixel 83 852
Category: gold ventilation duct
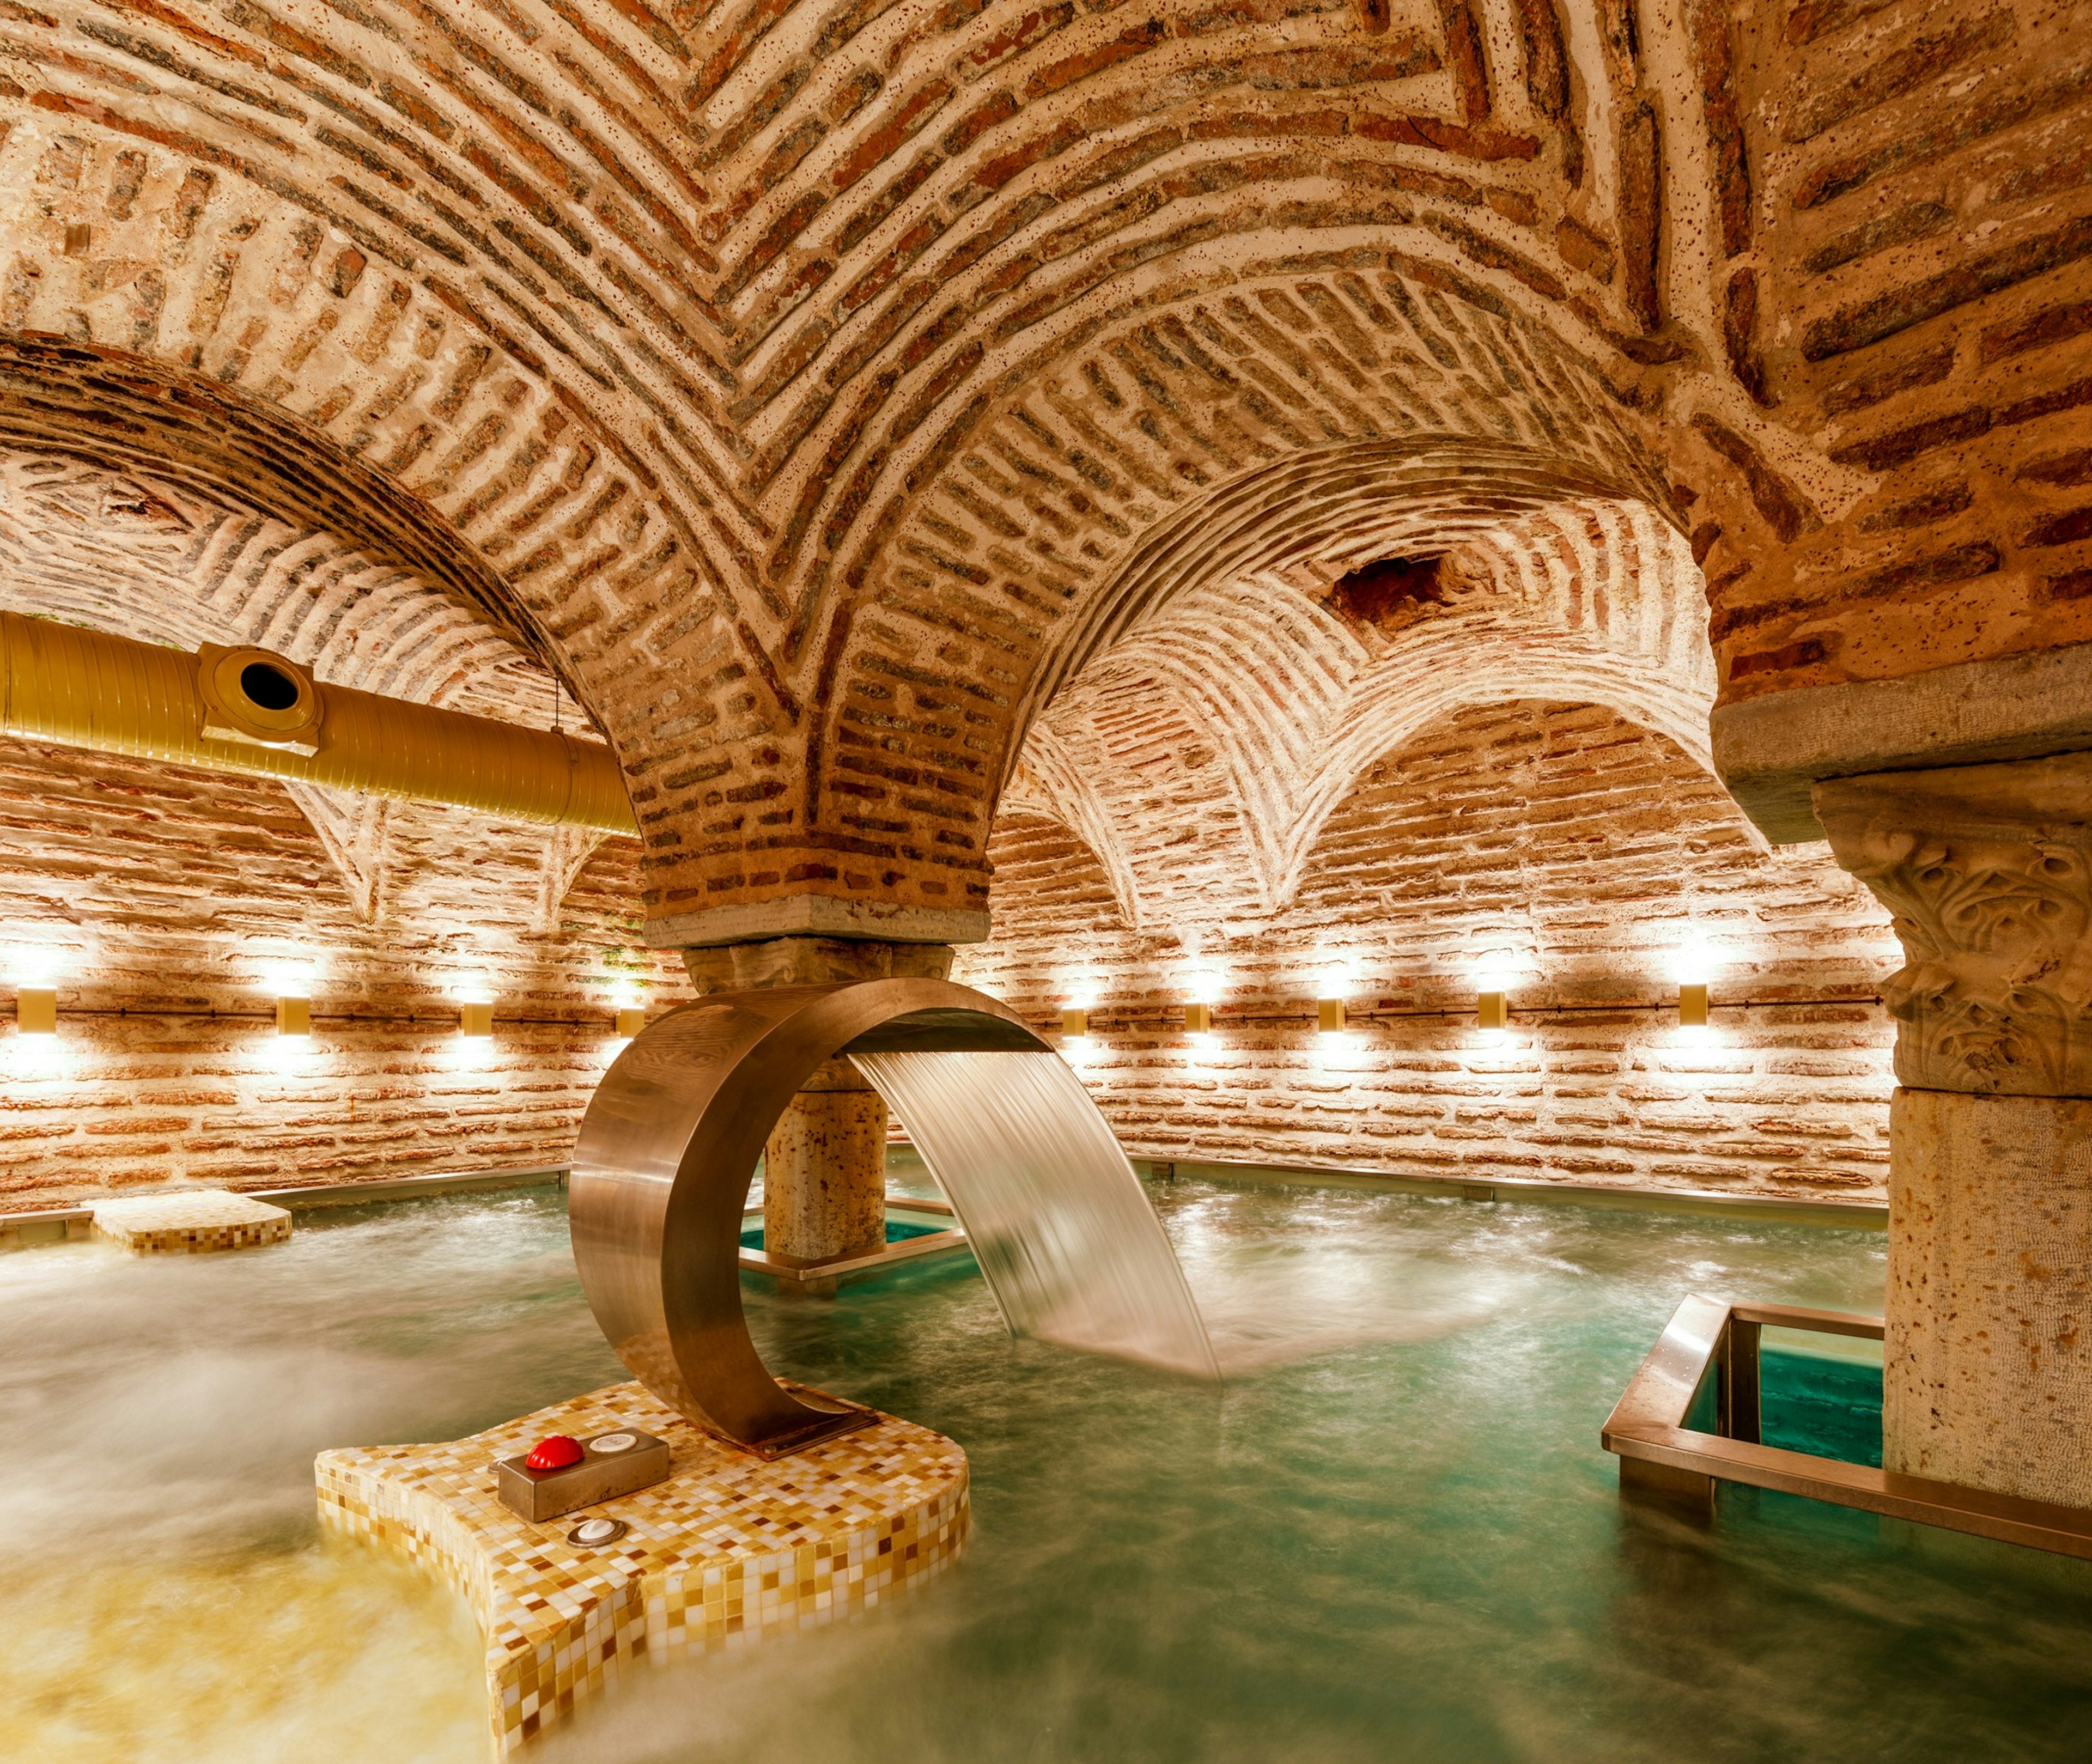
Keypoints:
pixel 248 710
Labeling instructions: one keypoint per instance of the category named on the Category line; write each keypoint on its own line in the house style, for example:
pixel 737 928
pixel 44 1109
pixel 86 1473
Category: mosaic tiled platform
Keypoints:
pixel 728 1550
pixel 194 1222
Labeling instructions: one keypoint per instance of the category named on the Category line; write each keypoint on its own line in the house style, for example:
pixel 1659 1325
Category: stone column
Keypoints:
pixel 824 1168
pixel 1988 872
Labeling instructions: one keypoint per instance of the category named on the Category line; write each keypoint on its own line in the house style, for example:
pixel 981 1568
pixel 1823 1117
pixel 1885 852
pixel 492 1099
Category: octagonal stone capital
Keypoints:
pixel 1987 871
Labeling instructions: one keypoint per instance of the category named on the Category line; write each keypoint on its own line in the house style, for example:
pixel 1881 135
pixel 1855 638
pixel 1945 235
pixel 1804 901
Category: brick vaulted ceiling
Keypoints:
pixel 820 386
pixel 1200 756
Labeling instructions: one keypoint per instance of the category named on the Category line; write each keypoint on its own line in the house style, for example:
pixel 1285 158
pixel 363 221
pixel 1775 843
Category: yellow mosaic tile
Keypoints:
pixel 728 1550
pixel 193 1222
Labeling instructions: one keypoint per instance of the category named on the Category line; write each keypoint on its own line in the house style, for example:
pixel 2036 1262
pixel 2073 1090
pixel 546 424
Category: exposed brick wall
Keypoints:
pixel 1904 280
pixel 1560 840
pixel 176 903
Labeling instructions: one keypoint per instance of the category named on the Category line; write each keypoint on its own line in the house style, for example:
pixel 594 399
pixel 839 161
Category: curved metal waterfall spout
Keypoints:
pixel 1063 1232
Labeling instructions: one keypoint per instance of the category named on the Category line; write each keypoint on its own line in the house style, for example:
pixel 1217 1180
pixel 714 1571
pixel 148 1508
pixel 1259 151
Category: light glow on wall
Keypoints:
pixel 1696 962
pixel 1497 973
pixel 289 1052
pixel 35 1056
pixel 291 977
pixel 34 965
pixel 1336 976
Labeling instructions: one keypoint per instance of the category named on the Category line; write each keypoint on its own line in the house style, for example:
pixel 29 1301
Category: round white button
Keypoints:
pixel 613 1442
pixel 596 1530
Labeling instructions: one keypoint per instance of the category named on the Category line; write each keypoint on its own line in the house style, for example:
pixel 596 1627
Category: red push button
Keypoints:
pixel 556 1453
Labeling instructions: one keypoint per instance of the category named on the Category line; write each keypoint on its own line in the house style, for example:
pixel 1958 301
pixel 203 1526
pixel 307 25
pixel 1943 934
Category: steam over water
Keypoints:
pixel 1389 1536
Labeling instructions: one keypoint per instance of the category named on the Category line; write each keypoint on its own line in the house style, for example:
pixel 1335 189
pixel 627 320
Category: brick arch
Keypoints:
pixel 128 412
pixel 162 561
pixel 1051 783
pixel 685 318
pixel 1335 412
pixel 169 302
pixel 1321 511
pixel 1270 699
pixel 165 561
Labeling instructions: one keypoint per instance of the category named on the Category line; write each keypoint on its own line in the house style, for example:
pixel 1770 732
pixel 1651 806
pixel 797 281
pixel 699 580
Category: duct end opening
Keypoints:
pixel 262 699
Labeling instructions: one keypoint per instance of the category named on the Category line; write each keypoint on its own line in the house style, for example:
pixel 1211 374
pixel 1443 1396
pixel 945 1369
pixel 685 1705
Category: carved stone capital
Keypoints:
pixel 1988 872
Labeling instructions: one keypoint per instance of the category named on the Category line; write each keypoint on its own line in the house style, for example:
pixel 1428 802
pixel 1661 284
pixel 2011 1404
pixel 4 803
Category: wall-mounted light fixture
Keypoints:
pixel 294 1016
pixel 476 1018
pixel 631 1019
pixel 1199 1018
pixel 37 1010
pixel 1075 1021
pixel 1693 1005
pixel 1493 1010
pixel 1329 1016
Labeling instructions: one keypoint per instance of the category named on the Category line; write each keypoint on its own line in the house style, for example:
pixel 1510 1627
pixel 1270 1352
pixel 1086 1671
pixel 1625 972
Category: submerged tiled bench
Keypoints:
pixel 193 1222
pixel 727 1550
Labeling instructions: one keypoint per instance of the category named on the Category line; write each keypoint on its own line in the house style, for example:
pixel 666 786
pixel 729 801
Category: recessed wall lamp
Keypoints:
pixel 476 1018
pixel 1493 1010
pixel 1693 1005
pixel 1075 1021
pixel 37 1010
pixel 631 1019
pixel 294 1016
pixel 1329 1016
pixel 1199 1018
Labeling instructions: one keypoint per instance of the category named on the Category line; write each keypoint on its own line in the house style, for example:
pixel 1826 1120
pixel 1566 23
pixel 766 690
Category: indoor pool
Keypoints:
pixel 1391 1537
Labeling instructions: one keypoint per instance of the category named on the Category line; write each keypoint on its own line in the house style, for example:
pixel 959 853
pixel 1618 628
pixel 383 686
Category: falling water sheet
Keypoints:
pixel 1054 1214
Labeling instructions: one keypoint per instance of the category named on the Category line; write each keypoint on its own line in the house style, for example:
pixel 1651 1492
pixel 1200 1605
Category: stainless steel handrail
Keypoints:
pixel 1659 1455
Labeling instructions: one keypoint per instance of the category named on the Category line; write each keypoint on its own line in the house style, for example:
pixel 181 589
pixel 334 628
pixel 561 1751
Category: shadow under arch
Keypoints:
pixel 669 1143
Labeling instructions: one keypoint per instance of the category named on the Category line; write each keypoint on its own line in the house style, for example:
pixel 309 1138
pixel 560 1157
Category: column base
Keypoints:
pixel 936 1232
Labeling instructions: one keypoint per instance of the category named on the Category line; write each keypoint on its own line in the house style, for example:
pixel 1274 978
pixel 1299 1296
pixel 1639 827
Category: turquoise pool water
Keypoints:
pixel 1826 1403
pixel 897 1231
pixel 1392 1537
pixel 1817 1393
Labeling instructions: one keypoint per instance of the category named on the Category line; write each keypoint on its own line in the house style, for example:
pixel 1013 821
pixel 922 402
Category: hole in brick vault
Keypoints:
pixel 1390 591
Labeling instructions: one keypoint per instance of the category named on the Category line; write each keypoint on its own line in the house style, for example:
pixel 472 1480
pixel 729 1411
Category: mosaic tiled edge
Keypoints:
pixel 728 1550
pixel 192 1223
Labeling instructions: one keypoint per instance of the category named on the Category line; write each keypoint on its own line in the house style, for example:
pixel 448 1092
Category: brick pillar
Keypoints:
pixel 1988 872
pixel 824 1168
